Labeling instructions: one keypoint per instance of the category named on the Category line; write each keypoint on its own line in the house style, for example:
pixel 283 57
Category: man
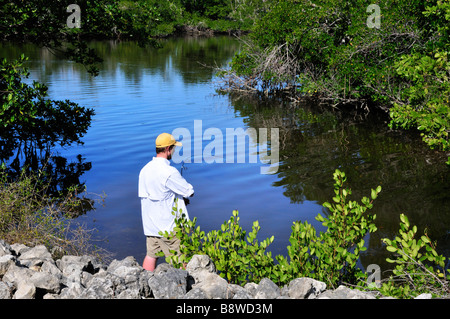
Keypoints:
pixel 160 187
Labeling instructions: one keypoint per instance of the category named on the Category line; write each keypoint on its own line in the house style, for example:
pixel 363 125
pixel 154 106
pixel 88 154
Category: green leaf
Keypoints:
pixel 373 194
pixel 390 260
pixel 404 219
pixel 425 239
pixel 392 249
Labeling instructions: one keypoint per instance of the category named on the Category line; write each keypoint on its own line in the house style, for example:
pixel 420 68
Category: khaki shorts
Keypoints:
pixel 157 244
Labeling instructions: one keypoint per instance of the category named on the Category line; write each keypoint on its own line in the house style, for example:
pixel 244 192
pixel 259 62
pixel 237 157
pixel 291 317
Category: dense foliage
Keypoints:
pixel 31 125
pixel 329 256
pixel 64 30
pixel 28 116
pixel 344 53
pixel 28 215
pixel 332 256
pixel 419 267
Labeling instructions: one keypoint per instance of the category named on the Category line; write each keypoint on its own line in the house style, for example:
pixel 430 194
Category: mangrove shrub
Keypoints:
pixel 383 56
pixel 330 256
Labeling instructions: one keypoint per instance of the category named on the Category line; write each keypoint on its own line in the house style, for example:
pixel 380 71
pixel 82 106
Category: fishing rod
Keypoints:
pixel 183 167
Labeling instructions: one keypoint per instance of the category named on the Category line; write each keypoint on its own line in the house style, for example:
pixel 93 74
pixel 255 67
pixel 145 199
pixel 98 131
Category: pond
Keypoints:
pixel 141 92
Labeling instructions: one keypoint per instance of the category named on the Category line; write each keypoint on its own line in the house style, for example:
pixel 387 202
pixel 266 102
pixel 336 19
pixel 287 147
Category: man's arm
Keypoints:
pixel 179 185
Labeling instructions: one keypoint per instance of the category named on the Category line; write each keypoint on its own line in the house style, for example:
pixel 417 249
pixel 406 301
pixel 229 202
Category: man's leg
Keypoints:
pixel 150 259
pixel 149 263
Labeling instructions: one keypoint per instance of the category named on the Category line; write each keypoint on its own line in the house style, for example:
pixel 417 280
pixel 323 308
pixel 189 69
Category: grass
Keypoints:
pixel 30 216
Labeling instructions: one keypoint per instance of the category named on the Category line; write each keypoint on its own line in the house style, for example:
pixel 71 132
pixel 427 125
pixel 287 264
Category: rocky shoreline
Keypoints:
pixel 31 273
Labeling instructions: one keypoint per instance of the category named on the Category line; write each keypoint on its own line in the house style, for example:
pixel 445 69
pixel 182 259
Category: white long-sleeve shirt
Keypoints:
pixel 159 185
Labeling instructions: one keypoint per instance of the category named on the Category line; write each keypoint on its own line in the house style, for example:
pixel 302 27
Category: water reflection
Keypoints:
pixel 121 59
pixel 315 141
pixel 191 58
pixel 33 126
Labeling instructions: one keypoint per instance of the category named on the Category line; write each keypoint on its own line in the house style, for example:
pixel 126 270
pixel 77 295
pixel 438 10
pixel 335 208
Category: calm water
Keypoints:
pixel 143 92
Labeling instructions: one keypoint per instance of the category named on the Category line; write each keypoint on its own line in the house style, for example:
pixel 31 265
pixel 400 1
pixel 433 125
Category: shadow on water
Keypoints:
pixel 315 140
pixel 32 125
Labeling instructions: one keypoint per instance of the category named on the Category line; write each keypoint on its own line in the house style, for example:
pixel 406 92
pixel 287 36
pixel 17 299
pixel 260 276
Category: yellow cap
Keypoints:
pixel 166 139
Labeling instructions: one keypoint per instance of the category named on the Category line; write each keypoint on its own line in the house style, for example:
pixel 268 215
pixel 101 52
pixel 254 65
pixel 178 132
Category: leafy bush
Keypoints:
pixel 31 125
pixel 330 257
pixel 425 100
pixel 28 215
pixel 27 115
pixel 143 19
pixel 419 268
pixel 238 258
pixel 328 51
